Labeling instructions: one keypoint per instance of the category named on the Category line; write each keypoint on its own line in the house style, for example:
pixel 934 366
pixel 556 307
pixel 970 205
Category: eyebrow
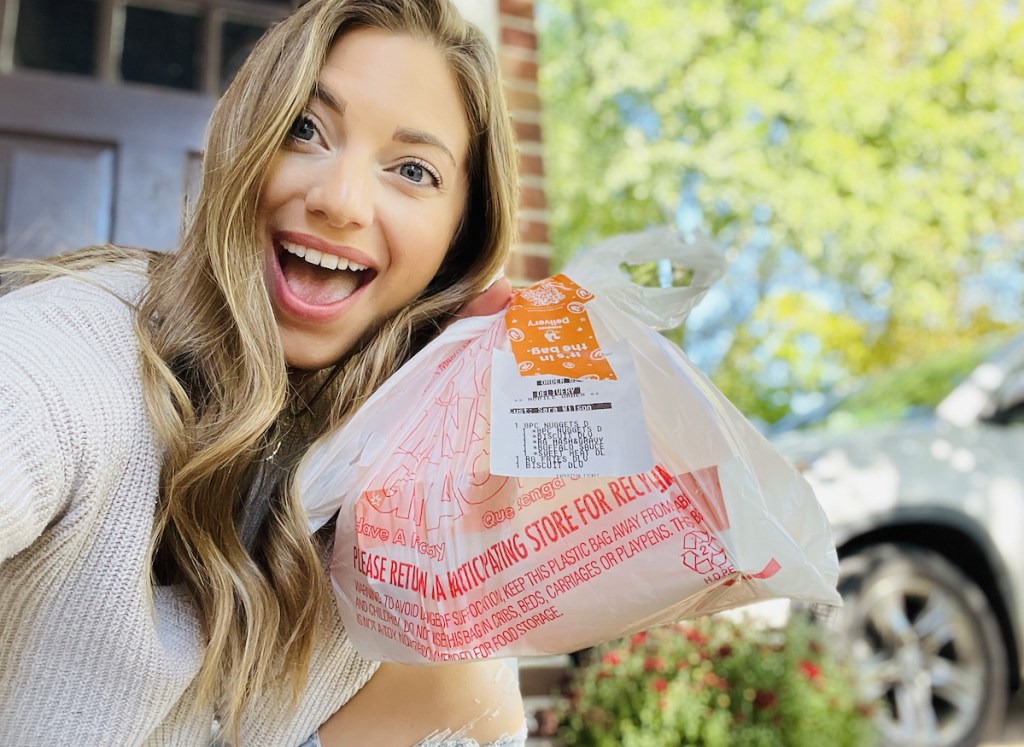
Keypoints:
pixel 402 134
pixel 329 99
pixel 419 137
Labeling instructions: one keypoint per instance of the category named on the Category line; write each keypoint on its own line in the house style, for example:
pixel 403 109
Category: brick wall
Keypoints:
pixel 517 49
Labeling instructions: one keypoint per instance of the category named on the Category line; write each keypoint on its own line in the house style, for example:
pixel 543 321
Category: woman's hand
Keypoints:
pixel 492 300
pixel 403 704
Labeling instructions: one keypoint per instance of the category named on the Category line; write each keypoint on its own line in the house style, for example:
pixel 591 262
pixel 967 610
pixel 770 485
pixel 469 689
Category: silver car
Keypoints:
pixel 928 514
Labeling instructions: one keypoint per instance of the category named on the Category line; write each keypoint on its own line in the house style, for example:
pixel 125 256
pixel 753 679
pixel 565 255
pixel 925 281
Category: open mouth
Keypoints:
pixel 320 278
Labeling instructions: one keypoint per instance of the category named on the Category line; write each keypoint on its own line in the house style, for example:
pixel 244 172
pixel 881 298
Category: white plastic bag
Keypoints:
pixel 437 558
pixel 597 269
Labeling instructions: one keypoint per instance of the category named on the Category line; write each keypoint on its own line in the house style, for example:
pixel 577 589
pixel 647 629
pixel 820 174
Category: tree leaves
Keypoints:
pixel 884 141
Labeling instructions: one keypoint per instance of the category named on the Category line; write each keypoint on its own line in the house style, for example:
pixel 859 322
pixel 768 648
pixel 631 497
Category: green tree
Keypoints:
pixel 865 158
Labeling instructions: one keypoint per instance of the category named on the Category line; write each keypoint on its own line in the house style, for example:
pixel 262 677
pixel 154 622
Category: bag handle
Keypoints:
pixel 597 269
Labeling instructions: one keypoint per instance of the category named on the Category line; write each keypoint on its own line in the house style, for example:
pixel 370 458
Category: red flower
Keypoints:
pixel 653 664
pixel 695 636
pixel 611 658
pixel 713 680
pixel 724 651
pixel 639 639
pixel 659 684
pixel 810 670
pixel 764 699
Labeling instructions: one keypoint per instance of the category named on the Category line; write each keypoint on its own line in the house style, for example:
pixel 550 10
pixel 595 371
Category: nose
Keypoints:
pixel 341 192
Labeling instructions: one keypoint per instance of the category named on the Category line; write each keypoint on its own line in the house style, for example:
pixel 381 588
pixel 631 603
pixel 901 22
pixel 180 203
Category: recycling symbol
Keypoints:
pixel 703 552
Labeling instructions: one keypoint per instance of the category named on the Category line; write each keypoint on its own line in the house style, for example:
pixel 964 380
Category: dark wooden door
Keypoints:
pixel 83 163
pixel 103 110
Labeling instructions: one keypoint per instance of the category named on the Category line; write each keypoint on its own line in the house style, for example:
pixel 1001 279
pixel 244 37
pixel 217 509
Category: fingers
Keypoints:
pixel 492 300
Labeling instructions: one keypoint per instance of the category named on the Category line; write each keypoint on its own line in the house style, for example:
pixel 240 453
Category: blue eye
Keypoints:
pixel 412 171
pixel 417 171
pixel 302 128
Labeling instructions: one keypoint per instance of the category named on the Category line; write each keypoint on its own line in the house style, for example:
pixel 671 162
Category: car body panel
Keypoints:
pixel 958 468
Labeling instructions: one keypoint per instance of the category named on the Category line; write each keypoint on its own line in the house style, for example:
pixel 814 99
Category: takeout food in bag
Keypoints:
pixel 551 477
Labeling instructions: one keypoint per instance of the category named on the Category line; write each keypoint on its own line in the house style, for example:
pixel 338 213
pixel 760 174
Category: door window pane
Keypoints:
pixel 237 41
pixel 161 48
pixel 58 195
pixel 57 35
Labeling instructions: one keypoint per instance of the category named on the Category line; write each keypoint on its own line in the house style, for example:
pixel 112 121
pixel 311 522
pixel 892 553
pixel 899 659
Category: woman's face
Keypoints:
pixel 361 203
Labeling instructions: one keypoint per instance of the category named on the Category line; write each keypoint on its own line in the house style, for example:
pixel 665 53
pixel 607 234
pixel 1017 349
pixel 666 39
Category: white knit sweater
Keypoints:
pixel 84 658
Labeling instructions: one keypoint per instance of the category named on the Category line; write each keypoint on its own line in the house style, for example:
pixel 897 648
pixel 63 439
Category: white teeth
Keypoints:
pixel 323 259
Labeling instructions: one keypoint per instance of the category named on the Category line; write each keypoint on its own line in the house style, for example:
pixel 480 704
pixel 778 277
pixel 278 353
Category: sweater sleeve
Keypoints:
pixel 67 368
pixel 34 484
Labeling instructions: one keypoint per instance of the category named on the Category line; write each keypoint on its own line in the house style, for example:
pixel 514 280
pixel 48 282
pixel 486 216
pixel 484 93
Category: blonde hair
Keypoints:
pixel 214 372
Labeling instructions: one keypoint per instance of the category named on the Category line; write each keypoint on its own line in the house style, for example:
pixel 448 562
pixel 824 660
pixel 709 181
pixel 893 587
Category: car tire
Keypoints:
pixel 927 644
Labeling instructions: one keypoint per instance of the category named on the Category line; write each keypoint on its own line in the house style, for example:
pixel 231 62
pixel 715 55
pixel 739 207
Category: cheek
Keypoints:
pixel 275 185
pixel 427 238
pixel 446 226
pixel 434 253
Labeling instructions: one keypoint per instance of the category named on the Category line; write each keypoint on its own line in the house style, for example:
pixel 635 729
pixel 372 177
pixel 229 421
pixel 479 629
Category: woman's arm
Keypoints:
pixel 68 392
pixel 403 704
pixel 33 475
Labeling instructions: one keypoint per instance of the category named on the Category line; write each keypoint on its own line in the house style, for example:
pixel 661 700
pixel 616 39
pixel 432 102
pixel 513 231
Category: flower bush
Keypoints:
pixel 716 682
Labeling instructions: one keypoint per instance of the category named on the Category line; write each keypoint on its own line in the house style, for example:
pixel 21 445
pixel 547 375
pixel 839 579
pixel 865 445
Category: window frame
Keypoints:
pixel 213 14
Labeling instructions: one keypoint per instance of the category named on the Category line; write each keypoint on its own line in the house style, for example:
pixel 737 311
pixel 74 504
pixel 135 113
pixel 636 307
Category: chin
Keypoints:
pixel 310 355
pixel 309 362
pixel 315 350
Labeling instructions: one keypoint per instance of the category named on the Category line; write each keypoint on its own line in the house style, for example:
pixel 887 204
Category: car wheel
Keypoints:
pixel 927 645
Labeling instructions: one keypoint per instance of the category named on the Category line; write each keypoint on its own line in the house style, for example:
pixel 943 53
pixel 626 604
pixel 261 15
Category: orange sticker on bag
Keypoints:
pixel 551 334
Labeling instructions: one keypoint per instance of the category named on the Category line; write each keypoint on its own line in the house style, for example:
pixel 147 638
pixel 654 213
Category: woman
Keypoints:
pixel 155 570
